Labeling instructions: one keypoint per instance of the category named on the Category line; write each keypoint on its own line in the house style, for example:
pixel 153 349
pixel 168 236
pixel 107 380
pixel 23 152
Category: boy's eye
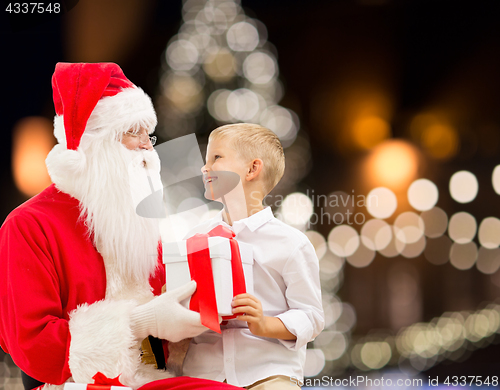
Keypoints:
pixel 216 157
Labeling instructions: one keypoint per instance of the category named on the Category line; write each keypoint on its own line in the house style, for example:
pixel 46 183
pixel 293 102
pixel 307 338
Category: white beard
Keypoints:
pixel 109 184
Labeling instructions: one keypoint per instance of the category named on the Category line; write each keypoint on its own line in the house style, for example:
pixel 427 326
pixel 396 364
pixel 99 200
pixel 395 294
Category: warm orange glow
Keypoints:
pixel 393 164
pixel 370 131
pixel 365 114
pixel 355 115
pixel 421 122
pixel 97 31
pixel 32 141
pixel 440 141
pixel 437 137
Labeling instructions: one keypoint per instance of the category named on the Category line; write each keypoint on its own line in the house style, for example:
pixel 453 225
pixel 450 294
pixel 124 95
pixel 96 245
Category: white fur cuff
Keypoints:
pixel 102 341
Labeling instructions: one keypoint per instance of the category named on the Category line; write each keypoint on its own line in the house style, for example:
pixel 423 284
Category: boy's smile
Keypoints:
pixel 209 179
pixel 221 161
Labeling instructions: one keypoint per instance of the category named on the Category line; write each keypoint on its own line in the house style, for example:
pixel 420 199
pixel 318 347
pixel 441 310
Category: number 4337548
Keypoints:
pixel 33 8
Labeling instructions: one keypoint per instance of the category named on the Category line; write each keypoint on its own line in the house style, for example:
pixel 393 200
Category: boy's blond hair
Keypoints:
pixel 253 141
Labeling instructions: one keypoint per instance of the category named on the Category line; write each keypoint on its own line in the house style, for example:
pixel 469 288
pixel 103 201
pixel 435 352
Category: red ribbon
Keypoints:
pixel 102 380
pixel 200 267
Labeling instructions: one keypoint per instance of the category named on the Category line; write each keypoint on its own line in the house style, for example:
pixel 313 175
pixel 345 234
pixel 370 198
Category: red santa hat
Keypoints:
pixel 97 97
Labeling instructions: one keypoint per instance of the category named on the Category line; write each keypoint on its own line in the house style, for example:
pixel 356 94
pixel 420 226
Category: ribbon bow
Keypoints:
pixel 200 267
pixel 102 380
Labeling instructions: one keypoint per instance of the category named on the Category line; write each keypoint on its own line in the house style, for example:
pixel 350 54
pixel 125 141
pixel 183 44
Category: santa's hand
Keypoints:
pixel 165 318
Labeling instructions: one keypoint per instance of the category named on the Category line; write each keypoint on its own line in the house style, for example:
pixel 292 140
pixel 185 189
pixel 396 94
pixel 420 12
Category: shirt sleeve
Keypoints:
pixel 32 325
pixel 305 318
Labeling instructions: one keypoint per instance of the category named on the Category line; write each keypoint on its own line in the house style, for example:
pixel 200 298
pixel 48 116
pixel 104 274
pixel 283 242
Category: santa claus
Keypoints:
pixel 80 271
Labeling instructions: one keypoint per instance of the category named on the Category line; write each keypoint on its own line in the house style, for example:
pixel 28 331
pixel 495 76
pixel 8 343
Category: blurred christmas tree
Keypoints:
pixel 219 69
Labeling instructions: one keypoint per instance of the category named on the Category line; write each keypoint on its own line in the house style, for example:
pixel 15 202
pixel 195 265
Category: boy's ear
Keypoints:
pixel 254 169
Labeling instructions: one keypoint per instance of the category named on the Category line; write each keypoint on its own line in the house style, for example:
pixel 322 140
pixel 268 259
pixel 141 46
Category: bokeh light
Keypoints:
pixel 435 222
pixel 318 242
pixel 488 260
pixel 243 104
pixel 376 234
pixel 495 179
pixel 409 227
pixel 489 232
pixel 296 209
pixel 182 55
pixel 433 131
pixel 375 355
pixel 463 187
pixel 220 66
pixel 369 131
pixel 381 202
pixel 362 257
pixel 333 309
pixel 393 163
pixel 447 337
pixel 242 36
pixel 260 68
pixel 343 240
pixel 281 121
pixel 440 141
pixel 394 248
pixel 183 91
pixel 330 265
pixel 423 194
pixel 333 344
pixel 31 143
pixel 462 227
pixel 204 43
pixel 217 105
pixel 476 327
pixel 414 249
pixel 347 318
pixel 463 256
pixel 272 91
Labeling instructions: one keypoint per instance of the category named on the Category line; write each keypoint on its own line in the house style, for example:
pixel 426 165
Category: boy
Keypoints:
pixel 265 346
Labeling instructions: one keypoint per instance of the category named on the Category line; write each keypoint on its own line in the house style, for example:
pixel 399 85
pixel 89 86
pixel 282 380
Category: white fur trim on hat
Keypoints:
pixel 113 116
pixel 117 114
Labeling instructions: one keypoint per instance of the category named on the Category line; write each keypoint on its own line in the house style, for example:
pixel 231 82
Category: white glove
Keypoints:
pixel 165 318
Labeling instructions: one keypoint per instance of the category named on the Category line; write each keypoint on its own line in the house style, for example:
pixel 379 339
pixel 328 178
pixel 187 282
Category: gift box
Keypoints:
pixel 178 273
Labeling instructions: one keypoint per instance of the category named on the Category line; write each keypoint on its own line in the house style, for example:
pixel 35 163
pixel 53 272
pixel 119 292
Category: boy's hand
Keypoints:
pixel 259 324
pixel 251 312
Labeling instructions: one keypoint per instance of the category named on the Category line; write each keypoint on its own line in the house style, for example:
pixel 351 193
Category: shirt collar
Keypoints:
pixel 253 222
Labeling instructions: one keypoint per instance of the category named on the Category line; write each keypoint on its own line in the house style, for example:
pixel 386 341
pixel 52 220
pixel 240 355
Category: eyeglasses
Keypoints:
pixel 143 138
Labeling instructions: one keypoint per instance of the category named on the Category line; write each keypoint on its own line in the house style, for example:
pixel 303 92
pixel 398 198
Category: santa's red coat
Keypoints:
pixel 48 267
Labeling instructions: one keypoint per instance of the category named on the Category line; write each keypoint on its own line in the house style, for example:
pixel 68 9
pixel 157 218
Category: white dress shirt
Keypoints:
pixel 286 281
